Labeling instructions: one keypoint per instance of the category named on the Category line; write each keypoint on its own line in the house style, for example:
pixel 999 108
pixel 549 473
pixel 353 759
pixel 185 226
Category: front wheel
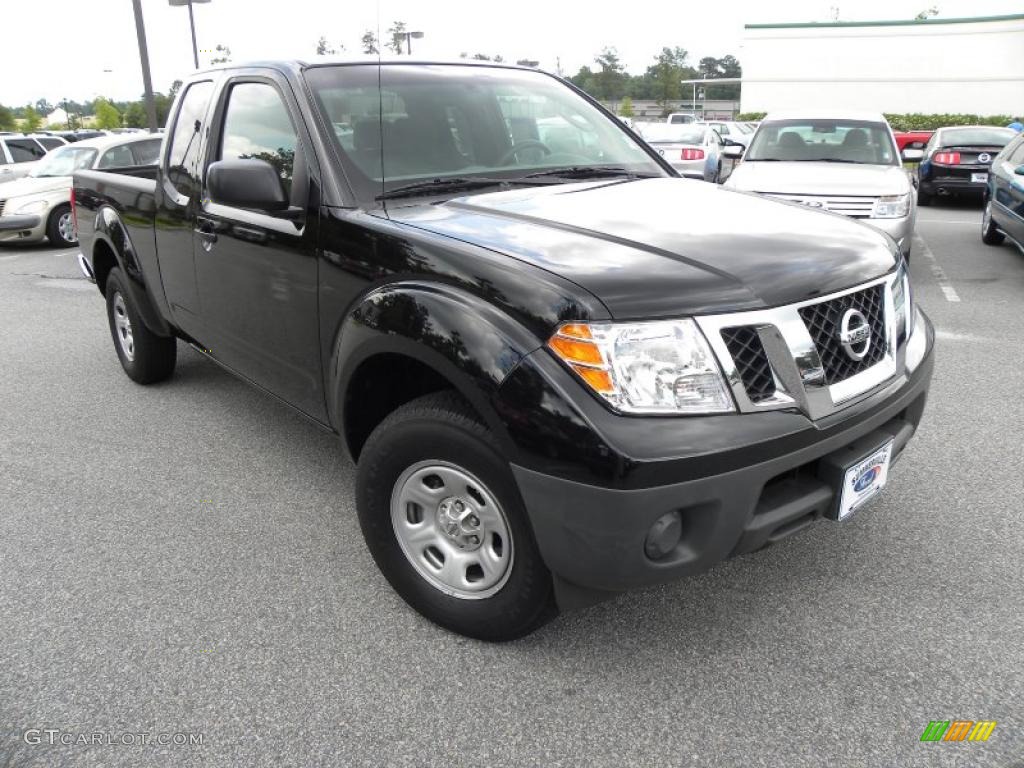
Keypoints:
pixel 146 357
pixel 443 519
pixel 60 227
pixel 990 234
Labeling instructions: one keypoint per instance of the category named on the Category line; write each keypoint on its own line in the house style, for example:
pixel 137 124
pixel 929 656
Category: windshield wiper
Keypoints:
pixel 451 184
pixel 587 172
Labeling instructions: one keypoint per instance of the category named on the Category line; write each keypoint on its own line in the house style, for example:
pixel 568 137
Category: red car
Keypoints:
pixel 911 139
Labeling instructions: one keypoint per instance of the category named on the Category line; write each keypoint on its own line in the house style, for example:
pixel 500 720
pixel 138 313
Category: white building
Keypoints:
pixel 972 66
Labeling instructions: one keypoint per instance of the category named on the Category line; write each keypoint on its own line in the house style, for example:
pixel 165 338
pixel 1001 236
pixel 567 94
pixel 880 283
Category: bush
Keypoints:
pixel 916 121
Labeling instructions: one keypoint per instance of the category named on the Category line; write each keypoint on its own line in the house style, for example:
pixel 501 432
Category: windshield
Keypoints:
pixel 842 141
pixel 981 137
pixel 664 133
pixel 65 161
pixel 443 121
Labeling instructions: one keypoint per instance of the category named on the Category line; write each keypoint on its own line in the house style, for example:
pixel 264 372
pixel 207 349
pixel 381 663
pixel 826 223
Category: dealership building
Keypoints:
pixel 972 65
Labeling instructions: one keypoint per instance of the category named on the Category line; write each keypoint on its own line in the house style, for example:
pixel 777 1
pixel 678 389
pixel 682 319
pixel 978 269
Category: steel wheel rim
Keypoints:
pixel 123 327
pixel 66 228
pixel 437 508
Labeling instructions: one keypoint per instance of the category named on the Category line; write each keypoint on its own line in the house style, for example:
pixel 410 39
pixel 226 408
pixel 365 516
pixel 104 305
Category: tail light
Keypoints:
pixel 946 158
pixel 692 154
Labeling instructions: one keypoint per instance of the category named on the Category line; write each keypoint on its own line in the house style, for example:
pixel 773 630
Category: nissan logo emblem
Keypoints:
pixel 855 334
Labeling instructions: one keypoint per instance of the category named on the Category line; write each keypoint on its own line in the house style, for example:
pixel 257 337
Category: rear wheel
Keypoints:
pixel 146 357
pixel 990 234
pixel 443 519
pixel 60 227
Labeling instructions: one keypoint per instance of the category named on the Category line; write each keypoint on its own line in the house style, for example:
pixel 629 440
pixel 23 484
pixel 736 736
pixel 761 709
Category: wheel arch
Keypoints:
pixel 406 340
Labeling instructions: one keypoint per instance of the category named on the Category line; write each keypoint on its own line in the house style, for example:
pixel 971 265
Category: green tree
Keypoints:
pixel 397 33
pixel 323 48
pixel 30 119
pixel 927 13
pixel 6 119
pixel 43 107
pixel 107 116
pixel 369 42
pixel 626 107
pixel 135 115
pixel 664 77
pixel 611 77
pixel 175 87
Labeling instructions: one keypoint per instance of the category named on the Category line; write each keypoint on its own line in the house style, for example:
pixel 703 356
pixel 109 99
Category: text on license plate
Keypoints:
pixel 979 178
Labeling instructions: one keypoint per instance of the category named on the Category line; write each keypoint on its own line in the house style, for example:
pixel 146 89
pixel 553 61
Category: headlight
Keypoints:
pixel 653 367
pixel 891 207
pixel 36 206
pixel 903 304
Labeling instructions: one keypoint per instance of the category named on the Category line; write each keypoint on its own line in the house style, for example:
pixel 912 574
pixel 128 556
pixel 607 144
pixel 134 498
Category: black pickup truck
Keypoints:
pixel 562 370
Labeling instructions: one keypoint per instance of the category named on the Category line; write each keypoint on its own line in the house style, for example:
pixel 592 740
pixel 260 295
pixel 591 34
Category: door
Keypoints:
pixel 177 198
pixel 257 272
pixel 24 154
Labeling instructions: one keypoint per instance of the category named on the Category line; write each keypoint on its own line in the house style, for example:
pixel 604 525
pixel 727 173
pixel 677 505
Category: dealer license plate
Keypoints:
pixel 979 178
pixel 865 480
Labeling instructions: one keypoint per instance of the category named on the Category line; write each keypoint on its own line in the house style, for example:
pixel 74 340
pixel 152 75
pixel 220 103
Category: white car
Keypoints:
pixel 19 153
pixel 38 205
pixel 838 161
pixel 740 133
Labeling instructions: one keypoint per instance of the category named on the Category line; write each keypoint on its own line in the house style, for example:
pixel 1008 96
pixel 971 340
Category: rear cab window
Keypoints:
pixel 186 138
pixel 25 150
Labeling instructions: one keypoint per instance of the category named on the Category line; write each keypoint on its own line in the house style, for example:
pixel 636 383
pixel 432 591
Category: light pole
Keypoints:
pixel 147 80
pixel 409 38
pixel 192 24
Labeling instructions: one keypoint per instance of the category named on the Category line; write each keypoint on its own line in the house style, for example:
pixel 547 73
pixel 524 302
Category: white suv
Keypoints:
pixel 838 161
pixel 20 153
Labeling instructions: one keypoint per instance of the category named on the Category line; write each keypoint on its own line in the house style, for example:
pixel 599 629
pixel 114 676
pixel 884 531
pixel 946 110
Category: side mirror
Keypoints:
pixel 246 184
pixel 1019 170
pixel 912 155
pixel 733 150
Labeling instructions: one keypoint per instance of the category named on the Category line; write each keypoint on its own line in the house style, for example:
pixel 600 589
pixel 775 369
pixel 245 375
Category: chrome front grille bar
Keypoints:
pixel 796 365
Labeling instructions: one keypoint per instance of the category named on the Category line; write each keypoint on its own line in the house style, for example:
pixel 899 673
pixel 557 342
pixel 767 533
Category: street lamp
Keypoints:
pixel 409 38
pixel 192 23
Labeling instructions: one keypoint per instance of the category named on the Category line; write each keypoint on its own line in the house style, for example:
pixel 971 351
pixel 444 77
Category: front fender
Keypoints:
pixel 111 233
pixel 459 335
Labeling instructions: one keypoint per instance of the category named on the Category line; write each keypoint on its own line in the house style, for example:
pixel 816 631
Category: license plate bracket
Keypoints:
pixel 857 473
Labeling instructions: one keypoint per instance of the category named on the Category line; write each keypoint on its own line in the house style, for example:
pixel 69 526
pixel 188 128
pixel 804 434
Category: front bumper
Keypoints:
pixel 900 230
pixel 594 539
pixel 21 227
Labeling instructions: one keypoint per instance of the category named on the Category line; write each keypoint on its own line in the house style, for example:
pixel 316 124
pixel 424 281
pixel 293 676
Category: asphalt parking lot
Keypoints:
pixel 185 558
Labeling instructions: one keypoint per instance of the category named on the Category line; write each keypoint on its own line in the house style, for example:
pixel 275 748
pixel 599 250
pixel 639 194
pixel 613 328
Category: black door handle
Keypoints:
pixel 206 230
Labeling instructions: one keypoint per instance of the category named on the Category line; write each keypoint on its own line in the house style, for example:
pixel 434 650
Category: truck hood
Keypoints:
pixel 29 185
pixel 666 247
pixel 819 178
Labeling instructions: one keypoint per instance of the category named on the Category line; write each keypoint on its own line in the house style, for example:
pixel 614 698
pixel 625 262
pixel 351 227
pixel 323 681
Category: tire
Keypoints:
pixel 405 457
pixel 990 235
pixel 146 357
pixel 60 227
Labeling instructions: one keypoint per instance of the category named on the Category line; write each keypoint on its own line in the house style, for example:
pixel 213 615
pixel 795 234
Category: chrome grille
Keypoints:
pixel 789 356
pixel 856 207
pixel 751 362
pixel 823 324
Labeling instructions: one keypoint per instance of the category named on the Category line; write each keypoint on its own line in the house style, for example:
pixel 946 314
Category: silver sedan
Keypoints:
pixel 693 150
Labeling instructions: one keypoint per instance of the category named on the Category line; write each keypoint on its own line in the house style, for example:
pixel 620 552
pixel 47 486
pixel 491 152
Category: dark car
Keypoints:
pixel 1004 196
pixel 956 161
pixel 561 370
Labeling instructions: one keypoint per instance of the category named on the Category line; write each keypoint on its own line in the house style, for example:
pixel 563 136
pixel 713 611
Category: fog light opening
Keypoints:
pixel 663 537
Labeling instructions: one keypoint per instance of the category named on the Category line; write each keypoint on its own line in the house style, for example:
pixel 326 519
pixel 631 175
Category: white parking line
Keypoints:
pixel 952 223
pixel 940 277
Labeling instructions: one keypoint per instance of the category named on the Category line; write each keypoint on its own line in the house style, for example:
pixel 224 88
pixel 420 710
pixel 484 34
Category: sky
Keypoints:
pixel 84 49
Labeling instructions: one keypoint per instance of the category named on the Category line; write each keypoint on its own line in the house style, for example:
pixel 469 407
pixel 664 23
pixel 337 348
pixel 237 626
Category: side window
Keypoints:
pixel 257 127
pixel 116 157
pixel 3 154
pixel 25 150
pixel 184 148
pixel 51 143
pixel 1016 157
pixel 146 152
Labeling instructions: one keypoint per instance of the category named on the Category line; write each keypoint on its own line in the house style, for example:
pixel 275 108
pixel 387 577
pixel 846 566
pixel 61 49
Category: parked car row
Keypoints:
pixel 1004 196
pixel 38 205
